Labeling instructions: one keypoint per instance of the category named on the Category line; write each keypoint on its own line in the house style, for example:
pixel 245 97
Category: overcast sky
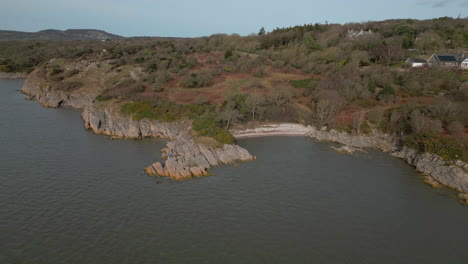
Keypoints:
pixel 192 18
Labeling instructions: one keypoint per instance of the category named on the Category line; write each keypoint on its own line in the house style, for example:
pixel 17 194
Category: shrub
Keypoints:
pixel 71 73
pixel 208 126
pixel 67 86
pixel 371 86
pixel 162 111
pixel 228 54
pixel 194 80
pixel 102 98
pixel 304 83
pixel 260 72
pixel 448 149
pixel 55 70
pixel 387 94
pixel 365 128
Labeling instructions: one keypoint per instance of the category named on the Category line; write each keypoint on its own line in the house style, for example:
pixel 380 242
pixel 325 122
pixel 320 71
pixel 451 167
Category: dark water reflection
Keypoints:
pixel 69 196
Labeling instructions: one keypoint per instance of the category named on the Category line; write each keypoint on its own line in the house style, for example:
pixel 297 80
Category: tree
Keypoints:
pixel 325 110
pixel 429 42
pixel 229 114
pixel 261 31
pixel 357 122
pixel 388 53
pixel 281 96
pixel 254 102
pixel 387 94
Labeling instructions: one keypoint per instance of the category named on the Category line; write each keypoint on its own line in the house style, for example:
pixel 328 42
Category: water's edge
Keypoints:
pixel 182 152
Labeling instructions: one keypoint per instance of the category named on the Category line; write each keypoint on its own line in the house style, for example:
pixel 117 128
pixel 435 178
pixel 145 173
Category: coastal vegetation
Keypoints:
pixel 317 74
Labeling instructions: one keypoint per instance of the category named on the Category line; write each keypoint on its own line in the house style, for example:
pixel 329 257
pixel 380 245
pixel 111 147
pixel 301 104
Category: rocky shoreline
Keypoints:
pixel 185 158
pixel 12 75
pixel 436 171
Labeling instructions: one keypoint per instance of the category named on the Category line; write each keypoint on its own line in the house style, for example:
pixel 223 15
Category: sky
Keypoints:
pixel 194 18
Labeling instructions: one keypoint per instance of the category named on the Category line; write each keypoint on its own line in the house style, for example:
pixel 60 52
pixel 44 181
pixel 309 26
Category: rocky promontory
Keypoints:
pixel 185 157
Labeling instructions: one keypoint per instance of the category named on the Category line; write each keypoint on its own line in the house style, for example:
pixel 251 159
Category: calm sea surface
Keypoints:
pixel 69 196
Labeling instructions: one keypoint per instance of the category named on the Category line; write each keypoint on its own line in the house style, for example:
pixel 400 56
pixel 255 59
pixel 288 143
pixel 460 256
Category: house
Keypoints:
pixel 444 60
pixel 355 33
pixel 464 64
pixel 416 62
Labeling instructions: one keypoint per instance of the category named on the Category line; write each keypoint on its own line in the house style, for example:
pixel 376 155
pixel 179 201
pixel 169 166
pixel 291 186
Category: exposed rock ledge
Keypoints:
pixel 437 171
pixel 12 75
pixel 185 157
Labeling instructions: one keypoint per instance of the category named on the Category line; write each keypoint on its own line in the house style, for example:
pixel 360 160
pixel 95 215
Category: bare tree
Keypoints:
pixel 230 113
pixel 418 121
pixel 422 124
pixel 281 96
pixel 388 53
pixel 254 102
pixel 357 122
pixel 445 110
pixel 325 110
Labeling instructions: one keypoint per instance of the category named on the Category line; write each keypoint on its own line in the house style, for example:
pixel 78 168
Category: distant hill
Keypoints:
pixel 52 34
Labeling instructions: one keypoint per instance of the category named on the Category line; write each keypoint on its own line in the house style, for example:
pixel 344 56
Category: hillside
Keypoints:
pixel 52 34
pixel 323 75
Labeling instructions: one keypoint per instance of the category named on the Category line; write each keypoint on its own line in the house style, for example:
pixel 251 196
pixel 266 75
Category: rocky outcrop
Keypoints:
pixel 106 119
pixel 451 175
pixel 374 140
pixel 185 159
pixel 346 149
pixel 12 75
pixel 40 90
pixel 437 171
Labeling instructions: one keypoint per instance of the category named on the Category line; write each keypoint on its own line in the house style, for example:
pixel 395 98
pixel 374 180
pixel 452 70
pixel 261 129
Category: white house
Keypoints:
pixel 416 62
pixel 355 33
pixel 464 64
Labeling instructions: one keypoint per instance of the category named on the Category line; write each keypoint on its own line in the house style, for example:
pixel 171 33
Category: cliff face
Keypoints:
pixel 38 88
pixel 185 157
pixel 107 120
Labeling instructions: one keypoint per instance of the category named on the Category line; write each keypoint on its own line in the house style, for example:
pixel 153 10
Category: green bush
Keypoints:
pixel 208 126
pixel 162 111
pixel 55 70
pixel 365 128
pixel 4 68
pixel 387 94
pixel 372 86
pixel 102 98
pixel 448 149
pixel 304 83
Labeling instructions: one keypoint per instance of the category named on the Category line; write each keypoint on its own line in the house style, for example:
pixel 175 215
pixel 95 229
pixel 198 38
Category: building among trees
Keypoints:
pixel 416 62
pixel 446 60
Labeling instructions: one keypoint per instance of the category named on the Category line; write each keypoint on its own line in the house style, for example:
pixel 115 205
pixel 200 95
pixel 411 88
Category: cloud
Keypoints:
pixel 437 3
pixel 464 4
